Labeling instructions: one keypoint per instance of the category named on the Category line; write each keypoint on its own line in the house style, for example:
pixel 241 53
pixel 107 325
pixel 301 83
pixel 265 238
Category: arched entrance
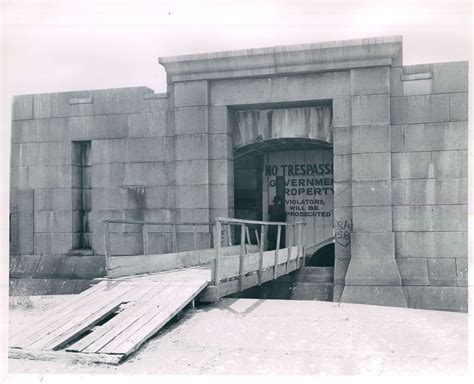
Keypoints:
pixel 286 152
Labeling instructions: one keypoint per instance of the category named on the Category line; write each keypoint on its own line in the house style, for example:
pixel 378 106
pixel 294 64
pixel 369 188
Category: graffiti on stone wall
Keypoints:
pixel 343 232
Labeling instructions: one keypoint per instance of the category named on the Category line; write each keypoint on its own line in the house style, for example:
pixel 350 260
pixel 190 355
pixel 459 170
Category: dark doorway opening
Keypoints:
pixel 323 257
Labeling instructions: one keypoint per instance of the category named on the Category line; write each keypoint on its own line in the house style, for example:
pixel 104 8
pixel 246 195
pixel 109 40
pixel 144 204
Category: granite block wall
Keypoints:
pixel 429 130
pixel 131 177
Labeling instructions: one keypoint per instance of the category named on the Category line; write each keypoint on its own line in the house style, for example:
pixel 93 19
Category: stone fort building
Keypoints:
pixel 358 145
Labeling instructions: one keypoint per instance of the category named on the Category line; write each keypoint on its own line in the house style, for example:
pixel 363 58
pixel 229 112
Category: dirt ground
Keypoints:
pixel 247 336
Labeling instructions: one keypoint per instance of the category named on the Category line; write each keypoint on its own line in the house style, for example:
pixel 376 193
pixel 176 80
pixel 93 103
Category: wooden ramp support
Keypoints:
pixel 237 272
pixel 105 323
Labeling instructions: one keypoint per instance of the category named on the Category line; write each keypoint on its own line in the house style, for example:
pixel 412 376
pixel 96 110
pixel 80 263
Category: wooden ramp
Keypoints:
pixel 109 321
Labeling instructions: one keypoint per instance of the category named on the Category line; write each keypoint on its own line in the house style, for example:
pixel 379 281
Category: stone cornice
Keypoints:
pixel 291 59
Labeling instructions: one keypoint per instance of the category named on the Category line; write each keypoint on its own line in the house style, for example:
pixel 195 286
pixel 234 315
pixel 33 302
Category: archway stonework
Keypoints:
pixel 354 76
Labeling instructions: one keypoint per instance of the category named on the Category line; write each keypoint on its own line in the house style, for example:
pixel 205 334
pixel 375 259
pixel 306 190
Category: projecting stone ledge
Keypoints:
pixel 301 58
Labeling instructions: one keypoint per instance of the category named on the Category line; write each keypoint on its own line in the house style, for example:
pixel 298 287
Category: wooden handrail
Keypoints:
pixel 242 221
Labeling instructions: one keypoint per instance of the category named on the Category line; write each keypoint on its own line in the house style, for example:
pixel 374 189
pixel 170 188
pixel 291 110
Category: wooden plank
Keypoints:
pixel 260 259
pixel 133 265
pixel 227 220
pixel 157 322
pixel 290 244
pixel 124 320
pixel 57 315
pixel 83 319
pixel 146 292
pixel 232 286
pixel 242 254
pixel 73 357
pixel 277 249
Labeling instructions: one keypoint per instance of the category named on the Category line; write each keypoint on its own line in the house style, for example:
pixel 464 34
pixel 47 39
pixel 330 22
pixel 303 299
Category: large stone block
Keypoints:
pixel 126 244
pixel 24 234
pixel 450 77
pixel 221 172
pixel 462 272
pixel 436 244
pixel 191 93
pixel 392 296
pixel 312 291
pixel 22 266
pixel 192 196
pixel 341 109
pixel 413 271
pixel 19 178
pixel 412 218
pixel 417 86
pixel 192 172
pixel 398 138
pixel 53 221
pixel 438 298
pixel 220 147
pixel 43 200
pixel 342 194
pixel 340 270
pixel 148 149
pixel 148 174
pixel 371 138
pixel 21 200
pixel 22 107
pixel 53 243
pixel 119 100
pixel 342 139
pixel 449 217
pixel 370 81
pixel 88 128
pixel 373 271
pixel 411 165
pixel 342 167
pixel 442 272
pixel 458 106
pixel 219 120
pixel 152 124
pixel 372 245
pixel 432 137
pixel 370 166
pixel 419 109
pixel 109 175
pixel 48 105
pixel 316 86
pixel 118 126
pixel 371 109
pixel 190 120
pixel 435 191
pixel 157 197
pixel 371 193
pixel 52 176
pixel 67 199
pixel 36 154
pixel 109 151
pixel 193 215
pixel 156 102
pixel 192 147
pixel 221 196
pixel 372 219
pixel 396 84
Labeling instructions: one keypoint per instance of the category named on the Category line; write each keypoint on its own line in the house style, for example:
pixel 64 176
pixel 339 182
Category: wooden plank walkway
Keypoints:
pixel 111 320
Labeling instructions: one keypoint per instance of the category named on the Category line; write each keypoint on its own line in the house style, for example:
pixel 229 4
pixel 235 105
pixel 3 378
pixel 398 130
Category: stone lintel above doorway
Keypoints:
pixel 302 58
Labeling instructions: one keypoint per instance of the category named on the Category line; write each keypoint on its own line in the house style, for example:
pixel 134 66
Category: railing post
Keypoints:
pixel 248 234
pixel 300 226
pixel 107 248
pixel 290 245
pixel 303 246
pixel 217 246
pixel 196 253
pixel 229 235
pixel 276 252
pixel 260 255
pixel 242 254
pixel 175 240
pixel 145 239
pixel 256 235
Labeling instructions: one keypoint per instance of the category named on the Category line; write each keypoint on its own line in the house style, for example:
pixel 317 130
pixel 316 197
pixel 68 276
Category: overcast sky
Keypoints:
pixel 53 45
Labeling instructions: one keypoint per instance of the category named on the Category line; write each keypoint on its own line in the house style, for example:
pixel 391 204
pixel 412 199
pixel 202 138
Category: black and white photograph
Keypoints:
pixel 225 188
